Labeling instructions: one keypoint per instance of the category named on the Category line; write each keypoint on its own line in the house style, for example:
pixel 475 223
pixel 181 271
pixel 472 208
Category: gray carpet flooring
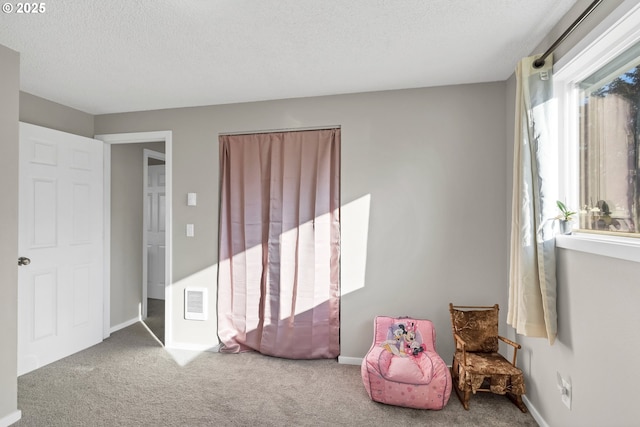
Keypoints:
pixel 130 380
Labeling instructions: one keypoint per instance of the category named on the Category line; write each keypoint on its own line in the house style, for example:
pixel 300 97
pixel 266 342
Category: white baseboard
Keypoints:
pixel 193 347
pixel 534 412
pixel 124 324
pixel 350 360
pixel 13 417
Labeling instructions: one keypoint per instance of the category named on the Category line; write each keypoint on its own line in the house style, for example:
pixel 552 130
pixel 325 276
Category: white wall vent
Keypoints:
pixel 195 304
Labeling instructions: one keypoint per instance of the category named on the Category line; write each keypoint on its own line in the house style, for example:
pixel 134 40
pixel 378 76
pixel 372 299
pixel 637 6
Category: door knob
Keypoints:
pixel 24 261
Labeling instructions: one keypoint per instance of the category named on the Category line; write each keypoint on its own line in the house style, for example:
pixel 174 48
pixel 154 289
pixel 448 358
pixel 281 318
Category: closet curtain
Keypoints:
pixel 279 247
pixel 532 277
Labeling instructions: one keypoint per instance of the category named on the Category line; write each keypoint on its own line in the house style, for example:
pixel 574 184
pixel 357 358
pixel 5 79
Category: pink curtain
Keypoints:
pixel 278 283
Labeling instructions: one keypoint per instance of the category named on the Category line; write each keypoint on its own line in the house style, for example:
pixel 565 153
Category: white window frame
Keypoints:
pixel 616 33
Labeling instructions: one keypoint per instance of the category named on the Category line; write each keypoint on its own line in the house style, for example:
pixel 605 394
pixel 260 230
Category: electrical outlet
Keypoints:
pixel 566 393
pixel 565 390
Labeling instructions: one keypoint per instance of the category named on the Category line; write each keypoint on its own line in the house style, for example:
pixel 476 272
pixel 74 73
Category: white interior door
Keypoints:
pixel 155 212
pixel 60 292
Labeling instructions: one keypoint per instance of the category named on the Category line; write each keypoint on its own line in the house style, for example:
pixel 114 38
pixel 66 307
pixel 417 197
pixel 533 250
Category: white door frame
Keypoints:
pixel 147 154
pixel 136 138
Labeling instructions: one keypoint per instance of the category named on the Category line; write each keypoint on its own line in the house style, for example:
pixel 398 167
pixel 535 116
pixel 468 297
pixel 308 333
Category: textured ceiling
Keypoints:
pixel 105 56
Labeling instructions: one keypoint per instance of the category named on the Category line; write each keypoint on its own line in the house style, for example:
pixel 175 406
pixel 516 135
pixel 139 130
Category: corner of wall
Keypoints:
pixel 9 133
pixel 42 112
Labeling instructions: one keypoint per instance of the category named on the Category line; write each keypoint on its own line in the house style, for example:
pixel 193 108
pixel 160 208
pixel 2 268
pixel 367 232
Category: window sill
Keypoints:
pixel 610 246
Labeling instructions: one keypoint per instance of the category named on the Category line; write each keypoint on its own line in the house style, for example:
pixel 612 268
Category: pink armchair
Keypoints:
pixel 402 367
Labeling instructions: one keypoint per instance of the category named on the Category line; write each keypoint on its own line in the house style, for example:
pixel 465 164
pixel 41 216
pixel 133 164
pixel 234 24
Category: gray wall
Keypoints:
pixel 598 316
pixel 9 89
pixel 432 163
pixel 598 339
pixel 42 112
pixel 126 229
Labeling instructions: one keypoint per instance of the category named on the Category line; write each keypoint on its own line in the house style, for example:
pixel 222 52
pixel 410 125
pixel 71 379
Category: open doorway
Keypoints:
pixel 123 303
pixel 130 232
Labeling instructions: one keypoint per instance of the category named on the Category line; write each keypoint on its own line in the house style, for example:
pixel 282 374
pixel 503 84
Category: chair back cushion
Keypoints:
pixel 396 330
pixel 478 328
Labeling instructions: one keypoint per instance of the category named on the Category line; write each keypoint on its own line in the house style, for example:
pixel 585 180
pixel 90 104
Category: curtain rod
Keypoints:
pixel 252 132
pixel 540 61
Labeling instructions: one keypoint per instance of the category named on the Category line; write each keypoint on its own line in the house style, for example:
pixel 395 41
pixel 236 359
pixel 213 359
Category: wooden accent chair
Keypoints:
pixel 477 365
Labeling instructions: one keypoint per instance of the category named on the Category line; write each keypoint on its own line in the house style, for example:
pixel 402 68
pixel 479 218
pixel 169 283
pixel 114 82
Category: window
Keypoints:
pixel 597 87
pixel 609 146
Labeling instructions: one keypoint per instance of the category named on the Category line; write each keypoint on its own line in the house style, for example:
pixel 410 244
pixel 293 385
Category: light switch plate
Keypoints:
pixel 190 230
pixel 191 199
